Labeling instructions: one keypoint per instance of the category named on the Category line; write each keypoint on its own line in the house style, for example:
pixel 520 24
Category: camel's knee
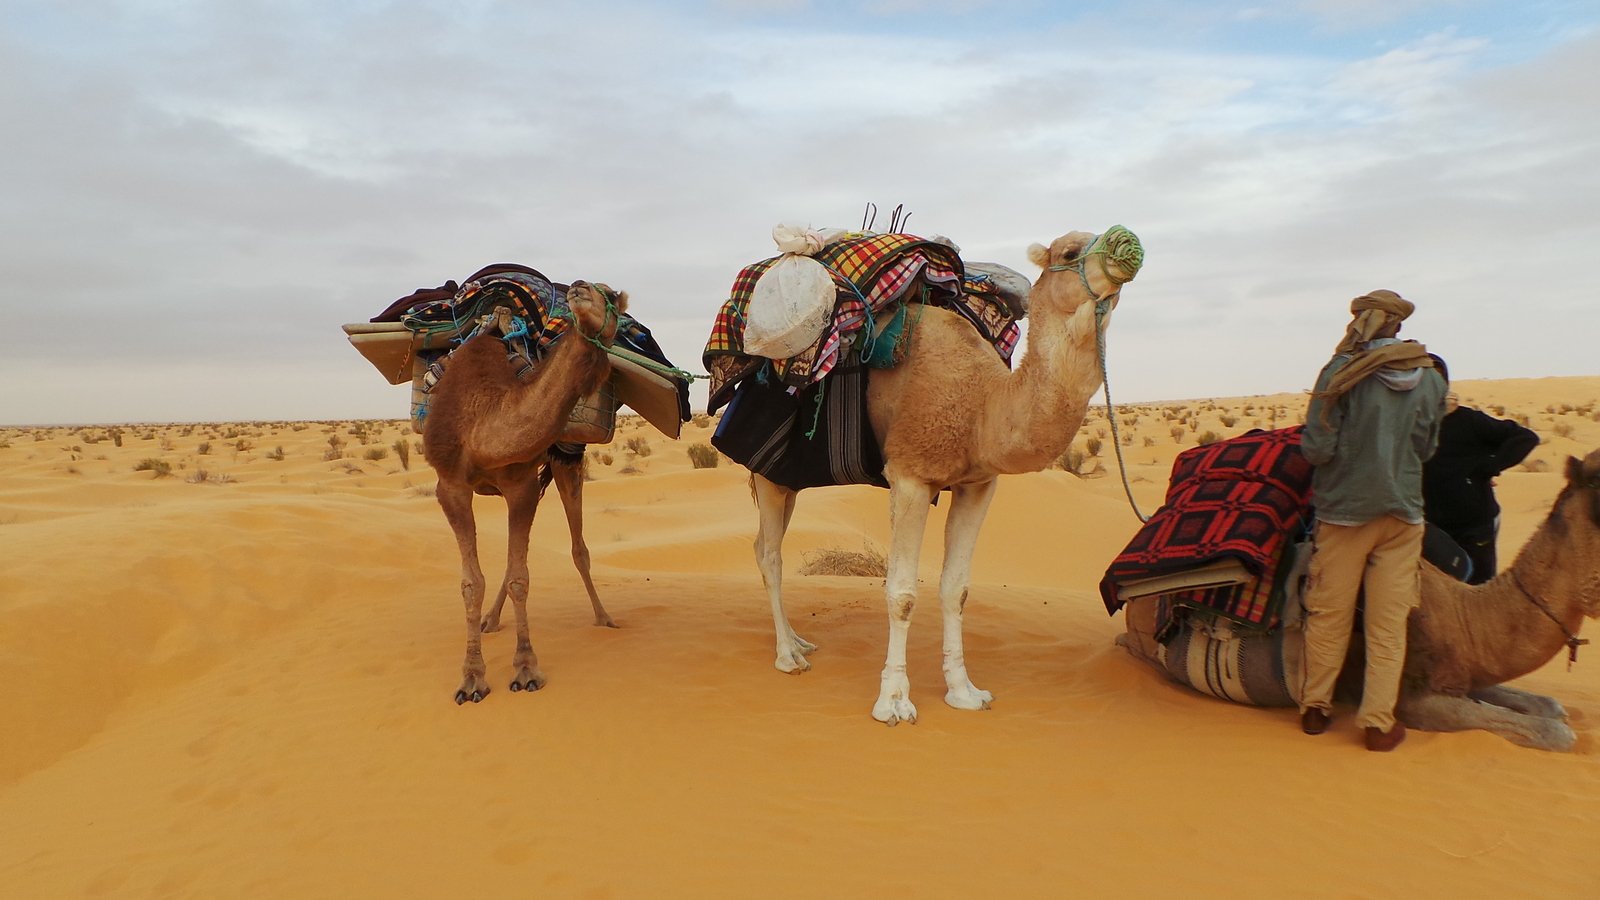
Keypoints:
pixel 901 607
pixel 517 589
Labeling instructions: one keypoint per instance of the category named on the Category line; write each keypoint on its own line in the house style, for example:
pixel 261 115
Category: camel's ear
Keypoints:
pixel 1039 255
pixel 1576 476
pixel 621 303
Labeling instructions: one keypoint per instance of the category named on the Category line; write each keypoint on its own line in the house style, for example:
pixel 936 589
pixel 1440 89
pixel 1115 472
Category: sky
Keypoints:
pixel 198 194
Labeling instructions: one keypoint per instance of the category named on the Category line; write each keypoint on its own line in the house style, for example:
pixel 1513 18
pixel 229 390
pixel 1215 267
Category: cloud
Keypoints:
pixel 209 193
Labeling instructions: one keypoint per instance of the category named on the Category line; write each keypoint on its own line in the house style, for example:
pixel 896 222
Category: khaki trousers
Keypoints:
pixel 1384 557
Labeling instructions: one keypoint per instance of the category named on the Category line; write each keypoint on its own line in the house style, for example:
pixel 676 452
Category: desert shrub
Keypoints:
pixel 629 469
pixel 864 563
pixel 1562 429
pixel 1177 434
pixel 1093 444
pixel 638 445
pixel 402 450
pixel 1071 461
pixel 701 420
pixel 241 445
pixel 703 456
pixel 1207 437
pixel 201 476
pixel 1535 465
pixel 606 459
pixel 160 467
pixel 1149 442
pixel 376 453
pixel 276 454
pixel 1227 420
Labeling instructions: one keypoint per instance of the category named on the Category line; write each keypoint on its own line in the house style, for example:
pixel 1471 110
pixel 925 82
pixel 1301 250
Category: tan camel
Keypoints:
pixel 1464 641
pixel 952 415
pixel 488 432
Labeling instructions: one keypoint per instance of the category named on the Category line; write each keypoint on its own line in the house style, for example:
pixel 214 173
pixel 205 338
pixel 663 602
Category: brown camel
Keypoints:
pixel 1464 641
pixel 490 433
pixel 952 415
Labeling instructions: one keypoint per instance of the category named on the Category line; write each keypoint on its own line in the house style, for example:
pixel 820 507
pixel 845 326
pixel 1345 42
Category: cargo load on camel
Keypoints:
pixel 793 346
pixel 412 338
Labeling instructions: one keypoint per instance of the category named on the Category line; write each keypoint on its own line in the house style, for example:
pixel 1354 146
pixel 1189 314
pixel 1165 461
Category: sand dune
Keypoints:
pixel 238 684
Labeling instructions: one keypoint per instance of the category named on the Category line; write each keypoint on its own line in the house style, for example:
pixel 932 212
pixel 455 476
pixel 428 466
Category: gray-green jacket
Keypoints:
pixel 1369 453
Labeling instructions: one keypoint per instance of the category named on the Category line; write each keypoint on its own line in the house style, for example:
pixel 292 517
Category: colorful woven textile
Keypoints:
pixel 1241 498
pixel 539 304
pixel 881 270
pixel 1241 665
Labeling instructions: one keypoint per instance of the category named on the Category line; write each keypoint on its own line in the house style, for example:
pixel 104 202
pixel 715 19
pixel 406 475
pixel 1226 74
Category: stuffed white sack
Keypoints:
pixel 793 300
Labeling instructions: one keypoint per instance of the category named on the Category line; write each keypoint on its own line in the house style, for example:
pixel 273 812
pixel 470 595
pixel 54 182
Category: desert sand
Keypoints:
pixel 234 679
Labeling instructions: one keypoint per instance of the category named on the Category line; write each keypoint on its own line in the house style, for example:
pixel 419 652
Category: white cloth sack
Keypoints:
pixel 789 308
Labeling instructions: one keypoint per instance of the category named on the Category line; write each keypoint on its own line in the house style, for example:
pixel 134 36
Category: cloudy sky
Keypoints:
pixel 198 194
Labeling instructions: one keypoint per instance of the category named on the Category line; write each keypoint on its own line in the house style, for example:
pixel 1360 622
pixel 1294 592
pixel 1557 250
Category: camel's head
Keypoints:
pixel 595 309
pixel 1079 267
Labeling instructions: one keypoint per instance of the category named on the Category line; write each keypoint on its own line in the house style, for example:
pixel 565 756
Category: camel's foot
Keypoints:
pixel 792 660
pixel 490 624
pixel 603 620
pixel 528 678
pixel 792 654
pixel 894 700
pixel 966 696
pixel 473 687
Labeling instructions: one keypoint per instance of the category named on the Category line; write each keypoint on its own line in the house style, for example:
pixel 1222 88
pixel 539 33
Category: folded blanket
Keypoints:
pixel 1241 500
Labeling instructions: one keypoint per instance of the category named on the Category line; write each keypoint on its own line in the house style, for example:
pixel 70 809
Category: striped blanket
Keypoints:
pixel 1238 664
pixel 872 273
pixel 1242 499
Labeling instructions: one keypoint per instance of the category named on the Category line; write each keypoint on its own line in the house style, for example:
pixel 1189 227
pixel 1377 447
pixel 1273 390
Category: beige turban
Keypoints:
pixel 1372 313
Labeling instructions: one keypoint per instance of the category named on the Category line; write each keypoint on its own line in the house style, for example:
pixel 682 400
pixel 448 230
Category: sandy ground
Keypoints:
pixel 238 684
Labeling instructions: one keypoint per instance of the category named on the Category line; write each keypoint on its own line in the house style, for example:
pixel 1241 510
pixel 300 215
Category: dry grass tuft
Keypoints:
pixel 864 563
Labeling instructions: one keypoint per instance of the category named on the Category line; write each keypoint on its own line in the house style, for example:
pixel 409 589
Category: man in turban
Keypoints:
pixel 1373 421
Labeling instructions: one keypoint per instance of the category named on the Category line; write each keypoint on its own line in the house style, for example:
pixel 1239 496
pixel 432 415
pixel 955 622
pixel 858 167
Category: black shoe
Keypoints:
pixel 1314 721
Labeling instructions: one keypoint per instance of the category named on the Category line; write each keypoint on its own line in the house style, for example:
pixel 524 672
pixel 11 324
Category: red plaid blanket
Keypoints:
pixel 1239 498
pixel 883 269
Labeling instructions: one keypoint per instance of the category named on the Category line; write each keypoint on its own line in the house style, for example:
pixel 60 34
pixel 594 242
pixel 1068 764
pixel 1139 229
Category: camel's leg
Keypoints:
pixel 456 501
pixel 491 622
pixel 908 516
pixel 968 505
pixel 569 483
pixel 1441 712
pixel 522 501
pixel 774 509
pixel 1520 701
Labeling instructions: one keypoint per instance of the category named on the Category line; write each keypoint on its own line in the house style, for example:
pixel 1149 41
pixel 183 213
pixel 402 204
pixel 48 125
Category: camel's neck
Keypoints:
pixel 1034 414
pixel 534 412
pixel 1502 631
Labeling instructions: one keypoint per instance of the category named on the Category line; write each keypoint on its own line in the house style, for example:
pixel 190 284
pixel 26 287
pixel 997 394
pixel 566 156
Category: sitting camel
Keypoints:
pixel 952 415
pixel 491 433
pixel 1464 641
